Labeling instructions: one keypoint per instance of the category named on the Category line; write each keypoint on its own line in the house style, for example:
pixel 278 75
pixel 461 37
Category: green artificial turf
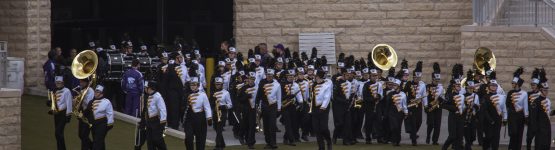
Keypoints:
pixel 38 134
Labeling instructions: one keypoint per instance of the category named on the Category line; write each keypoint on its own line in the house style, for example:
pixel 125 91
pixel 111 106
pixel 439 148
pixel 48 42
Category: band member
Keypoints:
pixel 455 106
pixel 197 115
pixel 343 97
pixel 60 103
pixel 100 115
pixel 358 111
pixel 83 126
pixel 247 107
pixel 532 95
pixel 495 114
pixel 321 95
pixel 406 87
pixel 431 105
pixel 269 98
pixel 221 101
pixel 396 105
pixel 132 85
pixel 303 118
pixel 176 76
pixel 472 104
pixel 291 100
pixel 517 108
pixel 237 81
pixel 154 116
pixel 382 124
pixel 417 89
pixel 541 106
pixel 372 94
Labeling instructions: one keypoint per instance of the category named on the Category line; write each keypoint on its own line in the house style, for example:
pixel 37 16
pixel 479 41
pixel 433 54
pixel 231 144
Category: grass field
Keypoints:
pixel 38 134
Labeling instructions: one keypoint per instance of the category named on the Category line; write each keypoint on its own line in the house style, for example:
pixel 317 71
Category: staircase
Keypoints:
pixel 527 12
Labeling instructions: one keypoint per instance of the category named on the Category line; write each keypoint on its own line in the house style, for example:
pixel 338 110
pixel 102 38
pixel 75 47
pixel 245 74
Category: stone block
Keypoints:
pixel 392 22
pixel 442 38
pixel 391 6
pixel 250 8
pixel 428 30
pixel 339 15
pixel 290 31
pixel 249 16
pixel 349 23
pixel 398 14
pixel 369 15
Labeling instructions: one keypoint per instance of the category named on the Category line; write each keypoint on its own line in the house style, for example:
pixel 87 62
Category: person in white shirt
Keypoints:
pixel 100 115
pixel 221 101
pixel 197 115
pixel 61 107
pixel 154 115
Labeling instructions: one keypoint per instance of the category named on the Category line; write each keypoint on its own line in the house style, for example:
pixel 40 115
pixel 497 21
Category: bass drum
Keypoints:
pixel 116 65
pixel 145 63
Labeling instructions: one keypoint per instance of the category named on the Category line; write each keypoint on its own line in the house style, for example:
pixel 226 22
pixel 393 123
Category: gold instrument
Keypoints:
pixel 286 102
pixel 218 96
pixel 83 66
pixel 483 55
pixel 415 102
pixel 374 93
pixel 53 97
pixel 469 101
pixel 384 56
pixel 434 98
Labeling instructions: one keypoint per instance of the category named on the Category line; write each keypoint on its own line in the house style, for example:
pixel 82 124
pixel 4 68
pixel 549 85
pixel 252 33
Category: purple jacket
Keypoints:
pixel 49 69
pixel 132 81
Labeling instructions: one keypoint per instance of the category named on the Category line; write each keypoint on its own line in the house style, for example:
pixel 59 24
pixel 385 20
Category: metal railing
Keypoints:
pixel 514 12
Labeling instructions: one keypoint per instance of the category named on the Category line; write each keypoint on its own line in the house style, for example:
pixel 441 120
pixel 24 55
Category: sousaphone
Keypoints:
pixel 384 56
pixel 83 66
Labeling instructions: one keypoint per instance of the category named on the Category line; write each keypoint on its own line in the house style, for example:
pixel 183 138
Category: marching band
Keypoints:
pixel 252 94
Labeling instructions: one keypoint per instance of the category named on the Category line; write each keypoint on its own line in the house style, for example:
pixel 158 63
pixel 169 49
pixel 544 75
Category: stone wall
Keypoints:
pixel 10 119
pixel 425 30
pixel 25 24
pixel 513 47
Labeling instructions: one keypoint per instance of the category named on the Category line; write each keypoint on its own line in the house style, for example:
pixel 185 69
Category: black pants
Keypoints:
pixel 173 103
pixel 543 136
pixel 269 114
pixel 530 135
pixel 413 123
pixel 233 120
pixel 516 130
pixel 434 125
pixel 320 127
pixel 248 126
pixel 99 130
pixel 140 139
pixel 306 121
pixel 492 131
pixel 195 130
pixel 456 132
pixel 154 134
pixel 357 120
pixel 369 119
pixel 114 93
pixel 60 122
pixel 287 116
pixel 219 127
pixel 395 123
pixel 84 132
pixel 469 134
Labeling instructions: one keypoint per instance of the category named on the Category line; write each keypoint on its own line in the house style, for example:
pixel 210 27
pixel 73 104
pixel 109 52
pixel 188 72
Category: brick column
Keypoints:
pixel 25 24
pixel 10 119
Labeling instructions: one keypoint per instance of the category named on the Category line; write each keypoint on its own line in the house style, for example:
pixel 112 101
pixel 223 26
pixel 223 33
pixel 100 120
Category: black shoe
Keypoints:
pixel 329 146
pixel 396 144
pixel 368 141
pixel 334 140
pixel 137 148
pixel 297 140
pixel 427 140
pixel 304 138
pixel 413 144
pixel 242 141
pixel 251 146
pixel 435 143
pixel 267 147
pixel 274 147
pixel 291 144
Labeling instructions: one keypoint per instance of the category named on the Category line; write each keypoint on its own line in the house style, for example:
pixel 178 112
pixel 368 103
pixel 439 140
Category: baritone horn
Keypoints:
pixel 384 56
pixel 83 66
pixel 483 55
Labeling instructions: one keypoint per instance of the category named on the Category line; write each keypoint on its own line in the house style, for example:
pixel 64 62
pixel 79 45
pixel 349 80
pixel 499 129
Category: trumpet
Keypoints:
pixel 313 94
pixel 374 93
pixel 218 96
pixel 53 97
pixel 258 120
pixel 514 97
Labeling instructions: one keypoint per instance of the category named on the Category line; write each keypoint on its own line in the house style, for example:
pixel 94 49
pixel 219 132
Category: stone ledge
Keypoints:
pixel 549 34
pixel 474 28
pixel 5 92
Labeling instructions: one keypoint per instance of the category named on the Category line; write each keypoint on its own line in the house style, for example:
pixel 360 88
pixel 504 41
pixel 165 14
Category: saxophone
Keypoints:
pixel 286 102
pixel 458 99
pixel 434 98
pixel 415 102
pixel 313 95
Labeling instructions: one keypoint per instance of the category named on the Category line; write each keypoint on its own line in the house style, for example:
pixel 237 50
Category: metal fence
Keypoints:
pixel 514 12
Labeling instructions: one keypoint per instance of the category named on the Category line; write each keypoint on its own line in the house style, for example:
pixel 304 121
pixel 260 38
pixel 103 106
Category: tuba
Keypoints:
pixel 483 55
pixel 384 56
pixel 83 66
